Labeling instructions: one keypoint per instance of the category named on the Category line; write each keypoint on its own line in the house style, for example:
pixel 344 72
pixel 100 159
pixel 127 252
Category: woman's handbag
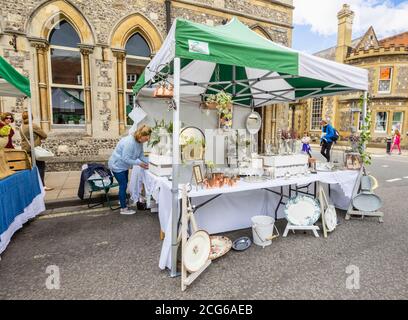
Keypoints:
pixel 41 154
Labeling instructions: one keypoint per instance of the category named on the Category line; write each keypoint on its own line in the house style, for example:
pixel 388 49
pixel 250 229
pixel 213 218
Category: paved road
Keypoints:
pixel 103 255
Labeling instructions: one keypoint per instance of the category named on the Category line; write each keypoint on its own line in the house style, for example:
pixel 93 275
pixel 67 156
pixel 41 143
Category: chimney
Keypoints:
pixel 345 19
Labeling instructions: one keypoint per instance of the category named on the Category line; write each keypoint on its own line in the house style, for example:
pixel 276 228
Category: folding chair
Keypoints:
pixel 97 183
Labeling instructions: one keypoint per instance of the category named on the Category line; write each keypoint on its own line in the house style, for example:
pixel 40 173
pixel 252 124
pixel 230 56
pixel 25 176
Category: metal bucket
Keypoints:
pixel 262 230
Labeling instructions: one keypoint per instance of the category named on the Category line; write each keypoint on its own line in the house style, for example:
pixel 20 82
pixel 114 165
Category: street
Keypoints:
pixel 102 255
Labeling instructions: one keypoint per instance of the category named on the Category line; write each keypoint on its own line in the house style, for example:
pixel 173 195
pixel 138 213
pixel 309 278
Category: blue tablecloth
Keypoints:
pixel 17 192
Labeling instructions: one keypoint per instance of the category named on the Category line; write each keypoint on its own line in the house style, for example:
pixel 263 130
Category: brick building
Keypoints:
pixel 387 63
pixel 83 57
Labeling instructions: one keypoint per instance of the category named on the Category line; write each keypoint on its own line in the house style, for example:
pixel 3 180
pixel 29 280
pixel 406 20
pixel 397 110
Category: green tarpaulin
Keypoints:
pixel 12 83
pixel 254 69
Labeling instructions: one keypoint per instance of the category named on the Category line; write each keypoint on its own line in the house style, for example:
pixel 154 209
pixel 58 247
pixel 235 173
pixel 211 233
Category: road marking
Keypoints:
pixel 405 177
pixel 72 213
pixel 394 180
pixel 385 166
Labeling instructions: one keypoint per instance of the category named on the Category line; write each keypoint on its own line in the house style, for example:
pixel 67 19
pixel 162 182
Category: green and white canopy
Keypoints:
pixel 255 70
pixel 12 83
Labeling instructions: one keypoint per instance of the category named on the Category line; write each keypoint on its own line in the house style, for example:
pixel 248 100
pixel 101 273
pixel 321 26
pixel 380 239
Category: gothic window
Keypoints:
pixel 137 57
pixel 67 91
pixel 317 113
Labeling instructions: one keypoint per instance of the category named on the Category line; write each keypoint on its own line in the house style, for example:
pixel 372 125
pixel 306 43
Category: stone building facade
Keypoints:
pixel 83 57
pixel 387 63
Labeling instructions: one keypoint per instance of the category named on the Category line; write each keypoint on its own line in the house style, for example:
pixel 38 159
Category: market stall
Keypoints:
pixel 21 193
pixel 198 62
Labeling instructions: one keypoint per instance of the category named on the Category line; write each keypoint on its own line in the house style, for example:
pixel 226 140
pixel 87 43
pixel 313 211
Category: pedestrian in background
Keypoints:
pixel 328 136
pixel 306 145
pixel 39 136
pixel 396 141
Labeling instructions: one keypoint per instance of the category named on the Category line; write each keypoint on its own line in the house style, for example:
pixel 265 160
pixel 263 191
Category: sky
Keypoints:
pixel 315 21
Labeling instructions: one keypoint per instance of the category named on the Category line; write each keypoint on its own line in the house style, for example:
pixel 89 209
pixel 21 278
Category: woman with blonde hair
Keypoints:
pixel 396 141
pixel 128 152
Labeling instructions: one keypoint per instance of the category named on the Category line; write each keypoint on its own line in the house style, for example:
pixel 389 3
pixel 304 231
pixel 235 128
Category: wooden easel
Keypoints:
pixel 187 216
pixel 324 204
pixel 351 212
pixel 292 227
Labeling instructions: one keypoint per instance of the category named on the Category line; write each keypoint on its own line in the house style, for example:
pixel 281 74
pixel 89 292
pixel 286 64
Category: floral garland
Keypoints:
pixel 365 135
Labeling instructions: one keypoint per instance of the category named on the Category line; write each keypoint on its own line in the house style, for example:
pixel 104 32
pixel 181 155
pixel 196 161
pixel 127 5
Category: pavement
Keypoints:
pixel 100 254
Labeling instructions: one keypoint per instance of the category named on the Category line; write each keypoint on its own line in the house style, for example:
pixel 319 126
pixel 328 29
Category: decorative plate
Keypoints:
pixel 367 202
pixel 197 251
pixel 302 211
pixel 219 246
pixel 241 244
pixel 330 217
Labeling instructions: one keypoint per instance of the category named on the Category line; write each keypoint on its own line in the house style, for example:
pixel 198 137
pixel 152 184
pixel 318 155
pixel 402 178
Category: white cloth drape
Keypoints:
pixel 235 208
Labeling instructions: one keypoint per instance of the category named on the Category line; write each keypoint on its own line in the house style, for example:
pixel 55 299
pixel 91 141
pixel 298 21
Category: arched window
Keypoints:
pixel 67 89
pixel 138 54
pixel 137 46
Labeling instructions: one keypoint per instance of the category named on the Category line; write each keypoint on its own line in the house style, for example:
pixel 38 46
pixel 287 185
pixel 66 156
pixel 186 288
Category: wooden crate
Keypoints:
pixel 17 159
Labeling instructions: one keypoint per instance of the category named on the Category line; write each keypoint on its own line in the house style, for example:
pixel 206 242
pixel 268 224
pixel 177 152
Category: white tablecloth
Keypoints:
pixel 237 205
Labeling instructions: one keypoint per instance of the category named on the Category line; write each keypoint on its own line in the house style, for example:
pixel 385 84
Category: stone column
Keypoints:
pixel 120 60
pixel 86 50
pixel 273 125
pixel 268 123
pixel 42 47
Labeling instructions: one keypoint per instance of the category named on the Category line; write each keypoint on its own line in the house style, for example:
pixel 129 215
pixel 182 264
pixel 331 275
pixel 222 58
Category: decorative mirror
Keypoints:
pixel 253 122
pixel 192 142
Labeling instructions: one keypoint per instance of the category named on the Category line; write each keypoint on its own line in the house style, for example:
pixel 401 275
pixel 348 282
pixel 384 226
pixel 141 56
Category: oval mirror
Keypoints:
pixel 192 141
pixel 254 122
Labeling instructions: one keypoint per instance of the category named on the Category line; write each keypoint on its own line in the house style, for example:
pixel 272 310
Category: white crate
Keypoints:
pixel 161 170
pixel 160 165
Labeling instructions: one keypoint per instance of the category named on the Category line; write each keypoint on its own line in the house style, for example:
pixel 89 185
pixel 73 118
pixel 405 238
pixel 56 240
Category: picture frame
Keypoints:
pixel 198 174
pixel 353 161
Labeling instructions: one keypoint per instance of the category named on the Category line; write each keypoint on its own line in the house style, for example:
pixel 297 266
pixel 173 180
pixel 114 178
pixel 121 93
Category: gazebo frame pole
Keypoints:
pixel 30 127
pixel 365 103
pixel 175 182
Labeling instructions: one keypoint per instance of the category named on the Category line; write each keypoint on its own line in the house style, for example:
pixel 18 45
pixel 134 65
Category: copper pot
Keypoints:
pixel 218 175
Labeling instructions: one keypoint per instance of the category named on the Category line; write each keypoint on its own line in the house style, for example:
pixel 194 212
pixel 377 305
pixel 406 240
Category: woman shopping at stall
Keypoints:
pixel 129 152
pixel 6 119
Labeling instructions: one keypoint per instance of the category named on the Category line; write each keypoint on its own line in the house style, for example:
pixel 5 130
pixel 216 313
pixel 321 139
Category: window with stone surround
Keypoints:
pixel 316 115
pixel 138 55
pixel 67 91
pixel 381 122
pixel 385 80
pixel 397 120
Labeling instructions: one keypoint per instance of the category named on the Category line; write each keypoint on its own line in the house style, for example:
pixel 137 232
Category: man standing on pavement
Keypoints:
pixel 327 138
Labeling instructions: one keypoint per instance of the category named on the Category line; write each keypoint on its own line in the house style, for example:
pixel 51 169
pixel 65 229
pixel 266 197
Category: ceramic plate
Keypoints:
pixel 219 246
pixel 302 211
pixel 330 216
pixel 197 251
pixel 241 244
pixel 367 202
